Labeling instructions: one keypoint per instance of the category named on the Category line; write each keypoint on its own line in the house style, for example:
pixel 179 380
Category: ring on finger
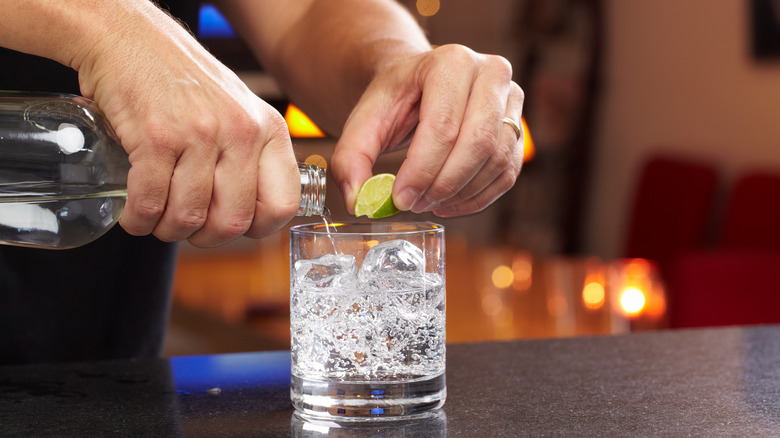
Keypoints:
pixel 515 126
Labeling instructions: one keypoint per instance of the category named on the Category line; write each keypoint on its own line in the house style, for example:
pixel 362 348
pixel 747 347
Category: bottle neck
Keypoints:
pixel 312 190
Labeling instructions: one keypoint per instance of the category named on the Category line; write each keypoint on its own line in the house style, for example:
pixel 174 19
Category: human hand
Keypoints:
pixel 210 161
pixel 452 100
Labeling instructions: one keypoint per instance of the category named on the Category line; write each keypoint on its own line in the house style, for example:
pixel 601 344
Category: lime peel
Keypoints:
pixel 375 197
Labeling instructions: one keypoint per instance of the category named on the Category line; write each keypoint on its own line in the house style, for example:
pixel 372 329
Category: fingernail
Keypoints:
pixel 425 203
pixel 346 191
pixel 446 212
pixel 406 199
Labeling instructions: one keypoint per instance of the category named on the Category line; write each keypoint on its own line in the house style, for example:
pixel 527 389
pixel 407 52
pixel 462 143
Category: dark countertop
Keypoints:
pixel 714 382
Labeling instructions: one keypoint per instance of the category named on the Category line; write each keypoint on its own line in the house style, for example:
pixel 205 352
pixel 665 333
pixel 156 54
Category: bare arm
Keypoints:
pixel 364 69
pixel 210 160
pixel 325 53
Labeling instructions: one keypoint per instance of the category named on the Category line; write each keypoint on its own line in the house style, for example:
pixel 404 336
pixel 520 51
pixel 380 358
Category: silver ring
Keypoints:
pixel 515 126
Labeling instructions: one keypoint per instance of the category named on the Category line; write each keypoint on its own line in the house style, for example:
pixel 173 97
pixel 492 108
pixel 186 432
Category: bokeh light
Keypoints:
pixel 428 8
pixel 593 295
pixel 316 160
pixel 502 277
pixel 632 300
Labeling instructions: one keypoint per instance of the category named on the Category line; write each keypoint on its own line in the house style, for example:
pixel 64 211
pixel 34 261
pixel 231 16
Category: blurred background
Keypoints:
pixel 648 199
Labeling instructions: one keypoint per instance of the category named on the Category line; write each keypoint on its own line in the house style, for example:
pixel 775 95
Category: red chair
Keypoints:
pixel 724 287
pixel 752 218
pixel 671 209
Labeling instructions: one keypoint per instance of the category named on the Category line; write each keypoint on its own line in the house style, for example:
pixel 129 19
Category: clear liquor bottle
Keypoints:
pixel 63 173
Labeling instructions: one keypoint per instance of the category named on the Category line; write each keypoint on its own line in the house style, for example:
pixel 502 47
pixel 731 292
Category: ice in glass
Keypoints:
pixel 367 319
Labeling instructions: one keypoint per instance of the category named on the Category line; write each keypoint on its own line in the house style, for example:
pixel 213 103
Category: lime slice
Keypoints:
pixel 375 197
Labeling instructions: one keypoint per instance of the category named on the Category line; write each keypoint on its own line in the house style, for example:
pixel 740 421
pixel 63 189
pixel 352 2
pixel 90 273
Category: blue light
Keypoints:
pixel 198 374
pixel 377 411
pixel 212 24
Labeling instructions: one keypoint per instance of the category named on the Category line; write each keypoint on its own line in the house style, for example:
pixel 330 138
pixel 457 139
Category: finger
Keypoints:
pixel 482 200
pixel 278 186
pixel 479 142
pixel 380 121
pixel 232 204
pixel 189 195
pixel 356 152
pixel 147 188
pixel 446 89
pixel 508 154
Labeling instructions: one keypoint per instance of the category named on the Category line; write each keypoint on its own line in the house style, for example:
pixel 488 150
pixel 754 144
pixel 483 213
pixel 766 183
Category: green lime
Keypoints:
pixel 375 197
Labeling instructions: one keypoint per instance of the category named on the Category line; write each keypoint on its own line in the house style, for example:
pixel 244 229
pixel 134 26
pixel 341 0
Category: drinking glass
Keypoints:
pixel 367 320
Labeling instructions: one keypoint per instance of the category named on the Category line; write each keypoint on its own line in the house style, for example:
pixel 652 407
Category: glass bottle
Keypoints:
pixel 63 173
pixel 312 190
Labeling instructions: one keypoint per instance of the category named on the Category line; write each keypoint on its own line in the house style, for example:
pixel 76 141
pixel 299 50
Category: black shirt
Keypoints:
pixel 108 299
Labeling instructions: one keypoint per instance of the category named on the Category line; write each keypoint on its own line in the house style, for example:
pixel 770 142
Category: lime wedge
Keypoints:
pixel 375 197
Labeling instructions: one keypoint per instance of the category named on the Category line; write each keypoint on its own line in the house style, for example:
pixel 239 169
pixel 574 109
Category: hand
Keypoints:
pixel 452 100
pixel 210 161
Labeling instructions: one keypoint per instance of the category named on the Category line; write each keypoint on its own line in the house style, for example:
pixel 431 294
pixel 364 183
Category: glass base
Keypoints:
pixel 367 401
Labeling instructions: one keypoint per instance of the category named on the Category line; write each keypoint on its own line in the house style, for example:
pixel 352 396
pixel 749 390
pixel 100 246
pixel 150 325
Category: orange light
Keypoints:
pixel 528 143
pixel 593 295
pixel 632 300
pixel 428 8
pixel 300 125
pixel 503 277
pixel 522 270
pixel 594 291
pixel 316 160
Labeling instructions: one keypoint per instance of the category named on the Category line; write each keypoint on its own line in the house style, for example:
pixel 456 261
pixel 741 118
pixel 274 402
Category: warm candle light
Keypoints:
pixel 593 295
pixel 639 292
pixel 632 300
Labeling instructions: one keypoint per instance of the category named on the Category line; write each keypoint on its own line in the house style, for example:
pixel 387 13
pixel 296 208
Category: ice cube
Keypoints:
pixel 328 271
pixel 393 265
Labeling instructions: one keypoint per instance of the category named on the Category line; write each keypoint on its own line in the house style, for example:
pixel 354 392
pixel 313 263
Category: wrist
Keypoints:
pixel 125 33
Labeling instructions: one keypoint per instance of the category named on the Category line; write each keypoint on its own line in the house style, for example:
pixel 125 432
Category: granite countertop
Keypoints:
pixel 713 382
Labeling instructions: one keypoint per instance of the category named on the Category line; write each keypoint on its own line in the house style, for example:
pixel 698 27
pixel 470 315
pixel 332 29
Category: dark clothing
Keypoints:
pixel 108 299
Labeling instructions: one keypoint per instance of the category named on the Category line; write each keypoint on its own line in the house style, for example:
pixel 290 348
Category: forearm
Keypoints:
pixel 58 30
pixel 324 53
pixel 77 33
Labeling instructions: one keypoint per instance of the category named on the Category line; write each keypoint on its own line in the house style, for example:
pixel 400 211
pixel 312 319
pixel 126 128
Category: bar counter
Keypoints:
pixel 706 382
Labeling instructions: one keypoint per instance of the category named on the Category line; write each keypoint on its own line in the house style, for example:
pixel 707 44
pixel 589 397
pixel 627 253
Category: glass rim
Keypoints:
pixel 321 229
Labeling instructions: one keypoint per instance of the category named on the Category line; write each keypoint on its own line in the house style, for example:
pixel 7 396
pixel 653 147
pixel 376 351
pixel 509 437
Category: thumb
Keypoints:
pixel 356 152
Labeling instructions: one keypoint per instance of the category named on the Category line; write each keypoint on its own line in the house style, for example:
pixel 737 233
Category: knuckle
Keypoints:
pixel 500 65
pixel 249 129
pixel 457 51
pixel 191 220
pixel 516 90
pixel 275 125
pixel 234 227
pixel 150 208
pixel 160 136
pixel 502 159
pixel 446 128
pixel 443 190
pixel 484 141
pixel 505 181
pixel 205 126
